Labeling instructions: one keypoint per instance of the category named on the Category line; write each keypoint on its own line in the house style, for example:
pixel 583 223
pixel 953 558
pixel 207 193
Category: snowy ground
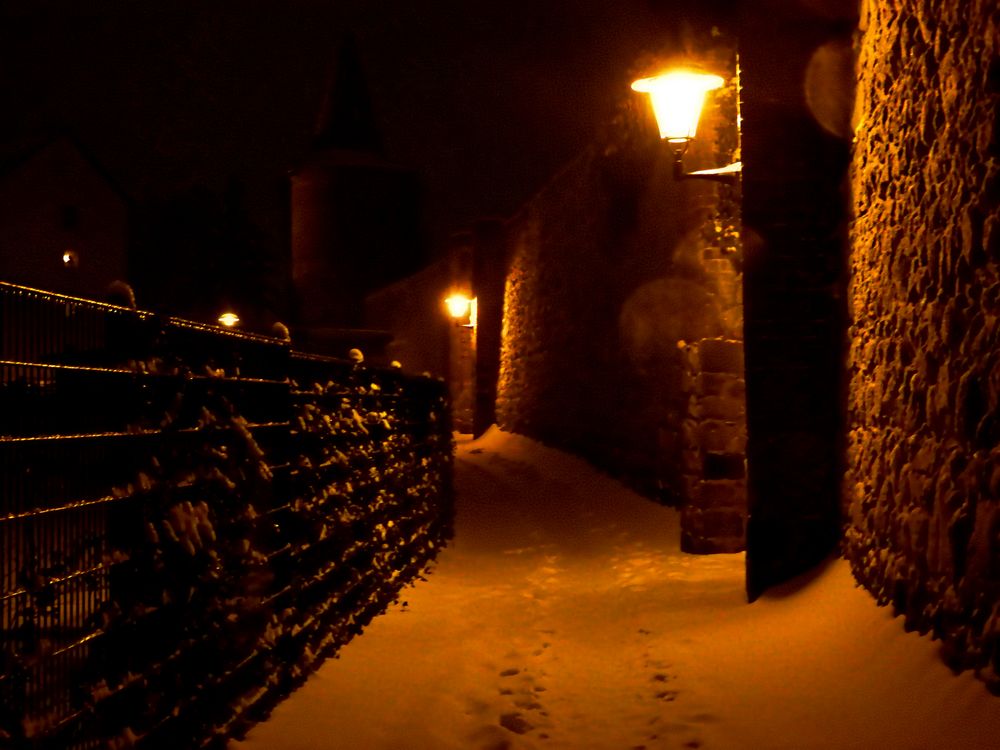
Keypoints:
pixel 564 616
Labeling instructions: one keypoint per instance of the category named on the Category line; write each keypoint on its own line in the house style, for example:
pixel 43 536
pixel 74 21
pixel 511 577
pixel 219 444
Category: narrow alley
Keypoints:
pixel 563 615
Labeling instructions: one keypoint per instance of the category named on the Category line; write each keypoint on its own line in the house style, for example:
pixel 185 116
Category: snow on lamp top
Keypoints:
pixel 677 97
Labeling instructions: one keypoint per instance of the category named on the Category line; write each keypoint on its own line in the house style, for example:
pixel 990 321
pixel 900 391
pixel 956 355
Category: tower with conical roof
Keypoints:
pixel 346 120
pixel 356 217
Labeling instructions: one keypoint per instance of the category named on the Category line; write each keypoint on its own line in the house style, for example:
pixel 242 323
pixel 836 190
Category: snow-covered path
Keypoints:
pixel 564 616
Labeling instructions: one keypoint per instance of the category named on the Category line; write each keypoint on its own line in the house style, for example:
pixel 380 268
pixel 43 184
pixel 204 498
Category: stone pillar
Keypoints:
pixel 713 518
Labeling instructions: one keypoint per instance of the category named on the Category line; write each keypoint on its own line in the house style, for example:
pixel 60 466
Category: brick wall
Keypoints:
pixel 923 484
pixel 714 430
pixel 713 518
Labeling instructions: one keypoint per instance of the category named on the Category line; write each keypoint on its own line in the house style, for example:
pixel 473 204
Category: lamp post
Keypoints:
pixel 677 97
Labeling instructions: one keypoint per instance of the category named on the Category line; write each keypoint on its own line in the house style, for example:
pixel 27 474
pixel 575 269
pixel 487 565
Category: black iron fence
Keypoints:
pixel 191 518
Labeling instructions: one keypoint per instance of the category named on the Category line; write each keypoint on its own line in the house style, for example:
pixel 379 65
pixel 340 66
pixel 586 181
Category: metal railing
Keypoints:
pixel 192 517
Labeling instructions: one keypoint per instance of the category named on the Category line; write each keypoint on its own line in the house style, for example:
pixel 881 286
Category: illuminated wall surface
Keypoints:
pixel 616 272
pixel 922 492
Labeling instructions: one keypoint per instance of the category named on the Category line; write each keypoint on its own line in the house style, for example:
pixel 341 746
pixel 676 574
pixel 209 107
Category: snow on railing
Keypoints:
pixel 192 518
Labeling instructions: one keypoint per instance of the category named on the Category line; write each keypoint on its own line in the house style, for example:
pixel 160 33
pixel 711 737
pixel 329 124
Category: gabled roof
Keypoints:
pixel 15 154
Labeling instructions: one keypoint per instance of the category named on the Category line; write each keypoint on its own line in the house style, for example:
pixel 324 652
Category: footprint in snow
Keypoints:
pixel 540 651
pixel 702 718
pixel 656 664
pixel 527 704
pixel 515 723
pixel 490 737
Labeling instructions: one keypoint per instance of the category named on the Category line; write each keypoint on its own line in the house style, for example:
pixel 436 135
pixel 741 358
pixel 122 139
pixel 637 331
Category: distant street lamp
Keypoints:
pixel 677 97
pixel 461 307
pixel 229 319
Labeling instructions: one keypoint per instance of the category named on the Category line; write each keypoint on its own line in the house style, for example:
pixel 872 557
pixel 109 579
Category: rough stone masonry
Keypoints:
pixel 922 491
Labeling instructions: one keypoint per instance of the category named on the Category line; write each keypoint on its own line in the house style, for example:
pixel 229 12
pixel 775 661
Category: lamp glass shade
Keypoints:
pixel 458 306
pixel 677 97
pixel 229 319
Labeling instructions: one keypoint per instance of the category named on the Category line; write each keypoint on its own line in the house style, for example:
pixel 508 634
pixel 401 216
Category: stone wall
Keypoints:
pixel 412 311
pixel 922 489
pixel 424 338
pixel 614 270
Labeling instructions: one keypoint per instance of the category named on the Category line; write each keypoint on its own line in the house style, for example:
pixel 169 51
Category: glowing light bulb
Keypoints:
pixel 677 97
pixel 458 305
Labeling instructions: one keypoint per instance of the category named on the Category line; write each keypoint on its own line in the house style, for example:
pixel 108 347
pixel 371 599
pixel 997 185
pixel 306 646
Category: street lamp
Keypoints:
pixel 229 319
pixel 677 97
pixel 461 307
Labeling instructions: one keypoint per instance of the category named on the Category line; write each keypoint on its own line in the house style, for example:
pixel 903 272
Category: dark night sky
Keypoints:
pixel 485 99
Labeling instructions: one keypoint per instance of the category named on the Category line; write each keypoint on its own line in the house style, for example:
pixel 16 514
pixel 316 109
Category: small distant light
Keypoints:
pixel 70 259
pixel 229 319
